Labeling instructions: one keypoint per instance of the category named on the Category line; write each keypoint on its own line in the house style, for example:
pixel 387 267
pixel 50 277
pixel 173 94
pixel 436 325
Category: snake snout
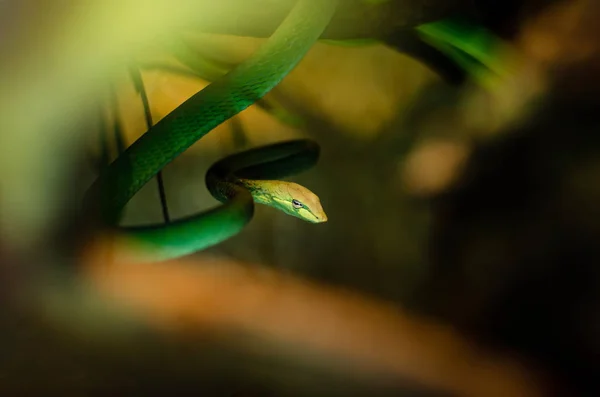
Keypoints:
pixel 321 218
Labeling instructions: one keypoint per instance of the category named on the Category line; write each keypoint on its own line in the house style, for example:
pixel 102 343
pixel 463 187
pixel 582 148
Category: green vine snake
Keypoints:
pixel 252 176
pixel 237 180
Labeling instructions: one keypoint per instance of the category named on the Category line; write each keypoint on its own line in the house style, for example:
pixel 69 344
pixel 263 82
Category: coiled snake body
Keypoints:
pixel 237 180
pixel 242 179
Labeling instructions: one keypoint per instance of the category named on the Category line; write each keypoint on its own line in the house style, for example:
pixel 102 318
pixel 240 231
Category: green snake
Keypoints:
pixel 238 180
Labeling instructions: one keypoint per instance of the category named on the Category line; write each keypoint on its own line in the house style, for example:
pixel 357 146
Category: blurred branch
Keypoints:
pixel 354 19
pixel 380 341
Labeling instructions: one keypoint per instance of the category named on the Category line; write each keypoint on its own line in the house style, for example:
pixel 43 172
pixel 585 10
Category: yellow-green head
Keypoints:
pixel 289 197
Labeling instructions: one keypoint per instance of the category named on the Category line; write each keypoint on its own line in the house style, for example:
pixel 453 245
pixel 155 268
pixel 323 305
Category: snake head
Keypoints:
pixel 298 201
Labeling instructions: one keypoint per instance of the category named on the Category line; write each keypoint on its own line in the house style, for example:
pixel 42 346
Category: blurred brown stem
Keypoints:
pixel 376 337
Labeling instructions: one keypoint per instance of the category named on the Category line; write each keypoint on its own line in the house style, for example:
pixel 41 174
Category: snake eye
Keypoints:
pixel 297 204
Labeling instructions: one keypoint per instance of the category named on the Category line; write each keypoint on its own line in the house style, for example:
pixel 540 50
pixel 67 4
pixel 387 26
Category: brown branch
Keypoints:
pixel 219 296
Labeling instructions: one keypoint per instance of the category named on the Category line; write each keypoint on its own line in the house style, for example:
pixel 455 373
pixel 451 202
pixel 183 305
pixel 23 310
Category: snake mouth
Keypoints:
pixel 320 219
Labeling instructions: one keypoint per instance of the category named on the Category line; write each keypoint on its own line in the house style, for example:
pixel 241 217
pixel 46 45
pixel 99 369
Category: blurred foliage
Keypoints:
pixel 475 206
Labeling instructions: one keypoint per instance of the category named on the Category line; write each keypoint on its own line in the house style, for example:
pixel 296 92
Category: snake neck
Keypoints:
pixel 261 190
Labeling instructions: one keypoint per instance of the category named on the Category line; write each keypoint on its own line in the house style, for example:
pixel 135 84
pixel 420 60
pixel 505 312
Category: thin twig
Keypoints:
pixel 139 85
